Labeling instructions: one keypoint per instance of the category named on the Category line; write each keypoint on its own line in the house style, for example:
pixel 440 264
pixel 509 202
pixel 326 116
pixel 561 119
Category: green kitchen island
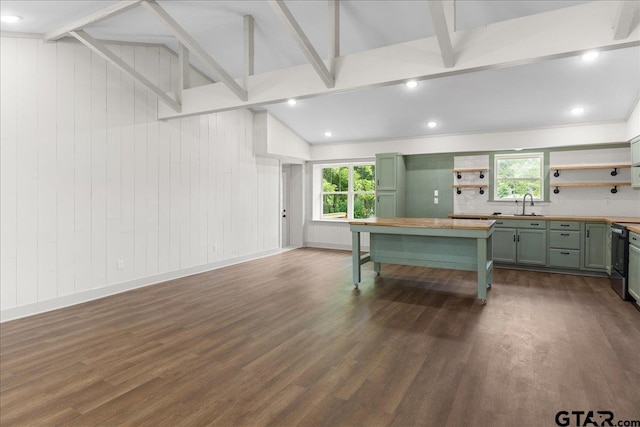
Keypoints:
pixel 458 244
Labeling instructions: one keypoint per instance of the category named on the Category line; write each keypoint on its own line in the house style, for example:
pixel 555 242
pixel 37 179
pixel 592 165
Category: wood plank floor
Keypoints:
pixel 285 340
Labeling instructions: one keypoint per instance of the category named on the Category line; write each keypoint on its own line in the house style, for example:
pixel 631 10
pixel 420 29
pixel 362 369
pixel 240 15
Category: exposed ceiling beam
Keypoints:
pixel 302 41
pixel 334 34
pixel 184 80
pixel 105 53
pixel 436 8
pixel 627 17
pixel 195 48
pixel 555 34
pixel 101 14
pixel 249 56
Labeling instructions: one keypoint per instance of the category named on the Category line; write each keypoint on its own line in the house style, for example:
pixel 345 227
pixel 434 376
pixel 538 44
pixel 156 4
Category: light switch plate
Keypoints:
pixel 435 200
pixel 435 193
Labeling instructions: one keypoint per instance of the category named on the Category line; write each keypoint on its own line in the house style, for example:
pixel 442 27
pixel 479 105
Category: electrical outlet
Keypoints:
pixel 120 265
pixel 435 200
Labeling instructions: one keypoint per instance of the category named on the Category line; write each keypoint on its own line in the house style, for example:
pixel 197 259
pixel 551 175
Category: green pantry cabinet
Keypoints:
pixel 634 266
pixel 390 185
pixel 553 244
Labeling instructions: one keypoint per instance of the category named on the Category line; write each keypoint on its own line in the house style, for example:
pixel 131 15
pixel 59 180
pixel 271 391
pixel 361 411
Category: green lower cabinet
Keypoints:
pixel 521 246
pixel 532 247
pixel 504 245
pixel 634 266
pixel 595 245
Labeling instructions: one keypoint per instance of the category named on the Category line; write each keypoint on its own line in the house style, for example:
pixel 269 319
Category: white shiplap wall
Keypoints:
pixel 90 177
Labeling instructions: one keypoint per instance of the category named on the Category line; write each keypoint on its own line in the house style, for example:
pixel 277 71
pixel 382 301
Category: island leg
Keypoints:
pixel 482 270
pixel 355 250
pixel 376 268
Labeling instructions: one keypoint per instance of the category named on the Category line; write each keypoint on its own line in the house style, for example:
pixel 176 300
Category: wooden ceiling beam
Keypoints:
pixel 111 57
pixel 436 8
pixel 283 12
pixel 552 35
pixel 628 14
pixel 107 12
pixel 195 48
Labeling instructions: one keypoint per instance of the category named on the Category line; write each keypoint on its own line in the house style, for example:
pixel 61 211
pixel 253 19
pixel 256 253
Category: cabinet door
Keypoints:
pixel 635 152
pixel 634 272
pixel 635 177
pixel 386 204
pixel 532 247
pixel 595 245
pixel 386 172
pixel 504 245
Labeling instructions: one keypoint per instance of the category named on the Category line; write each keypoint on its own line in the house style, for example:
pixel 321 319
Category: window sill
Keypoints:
pixel 331 221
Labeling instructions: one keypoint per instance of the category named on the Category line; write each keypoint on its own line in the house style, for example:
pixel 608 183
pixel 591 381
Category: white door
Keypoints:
pixel 284 209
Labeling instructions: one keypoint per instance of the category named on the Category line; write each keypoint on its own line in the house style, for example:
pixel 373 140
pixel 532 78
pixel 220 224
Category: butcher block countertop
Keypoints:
pixel 632 227
pixel 477 224
pixel 607 219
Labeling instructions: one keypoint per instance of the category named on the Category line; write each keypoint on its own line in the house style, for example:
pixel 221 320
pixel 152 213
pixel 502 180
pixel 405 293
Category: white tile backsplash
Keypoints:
pixel 583 201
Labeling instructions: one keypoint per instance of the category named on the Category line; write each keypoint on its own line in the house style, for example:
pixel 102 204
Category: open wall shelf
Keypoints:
pixel 459 188
pixel 459 172
pixel 614 168
pixel 614 185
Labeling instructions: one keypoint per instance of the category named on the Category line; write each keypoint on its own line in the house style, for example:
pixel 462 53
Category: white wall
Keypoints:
pixel 274 139
pixel 90 177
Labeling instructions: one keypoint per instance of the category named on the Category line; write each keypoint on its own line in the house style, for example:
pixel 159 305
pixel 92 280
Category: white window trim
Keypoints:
pixel 497 157
pixel 318 193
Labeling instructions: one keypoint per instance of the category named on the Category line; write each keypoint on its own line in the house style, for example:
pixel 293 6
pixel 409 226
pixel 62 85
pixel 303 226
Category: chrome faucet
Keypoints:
pixel 524 199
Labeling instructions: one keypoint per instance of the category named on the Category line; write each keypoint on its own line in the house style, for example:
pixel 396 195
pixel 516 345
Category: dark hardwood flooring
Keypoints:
pixel 285 340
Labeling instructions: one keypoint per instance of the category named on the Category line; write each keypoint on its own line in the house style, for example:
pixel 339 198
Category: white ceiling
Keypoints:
pixel 526 96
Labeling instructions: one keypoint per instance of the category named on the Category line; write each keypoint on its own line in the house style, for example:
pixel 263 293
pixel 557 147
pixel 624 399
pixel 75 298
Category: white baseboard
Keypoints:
pixel 93 294
pixel 340 247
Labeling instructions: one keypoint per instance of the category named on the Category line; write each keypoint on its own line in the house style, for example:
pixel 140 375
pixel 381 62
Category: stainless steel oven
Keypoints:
pixel 620 260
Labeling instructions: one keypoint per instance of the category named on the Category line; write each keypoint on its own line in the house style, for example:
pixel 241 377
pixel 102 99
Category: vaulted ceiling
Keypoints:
pixel 513 64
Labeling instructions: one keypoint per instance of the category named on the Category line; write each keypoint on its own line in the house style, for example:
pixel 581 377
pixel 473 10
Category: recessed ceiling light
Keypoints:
pixel 328 134
pixel 292 102
pixel 10 19
pixel 411 84
pixel 432 124
pixel 577 111
pixel 590 56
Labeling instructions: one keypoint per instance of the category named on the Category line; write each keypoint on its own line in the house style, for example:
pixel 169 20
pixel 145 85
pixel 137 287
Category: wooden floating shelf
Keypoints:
pixel 614 190
pixel 459 172
pixel 479 186
pixel 614 172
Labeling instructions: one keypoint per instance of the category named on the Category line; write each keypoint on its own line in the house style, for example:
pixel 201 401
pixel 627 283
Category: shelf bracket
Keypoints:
pixel 458 191
pixel 556 174
pixel 614 190
pixel 614 172
pixel 481 176
pixel 481 190
pixel 556 190
pixel 458 175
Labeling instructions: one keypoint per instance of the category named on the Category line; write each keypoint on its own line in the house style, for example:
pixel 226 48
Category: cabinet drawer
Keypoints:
pixel 634 239
pixel 564 239
pixel 516 223
pixel 565 225
pixel 567 258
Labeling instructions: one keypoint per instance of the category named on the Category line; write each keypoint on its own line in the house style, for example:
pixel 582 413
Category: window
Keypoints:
pixel 518 174
pixel 346 191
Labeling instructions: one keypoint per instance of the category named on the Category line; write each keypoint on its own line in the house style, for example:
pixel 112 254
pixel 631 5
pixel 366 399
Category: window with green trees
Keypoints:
pixel 518 174
pixel 348 191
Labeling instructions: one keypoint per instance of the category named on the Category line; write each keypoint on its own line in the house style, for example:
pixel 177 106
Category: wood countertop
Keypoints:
pixel 446 223
pixel 607 219
pixel 632 227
